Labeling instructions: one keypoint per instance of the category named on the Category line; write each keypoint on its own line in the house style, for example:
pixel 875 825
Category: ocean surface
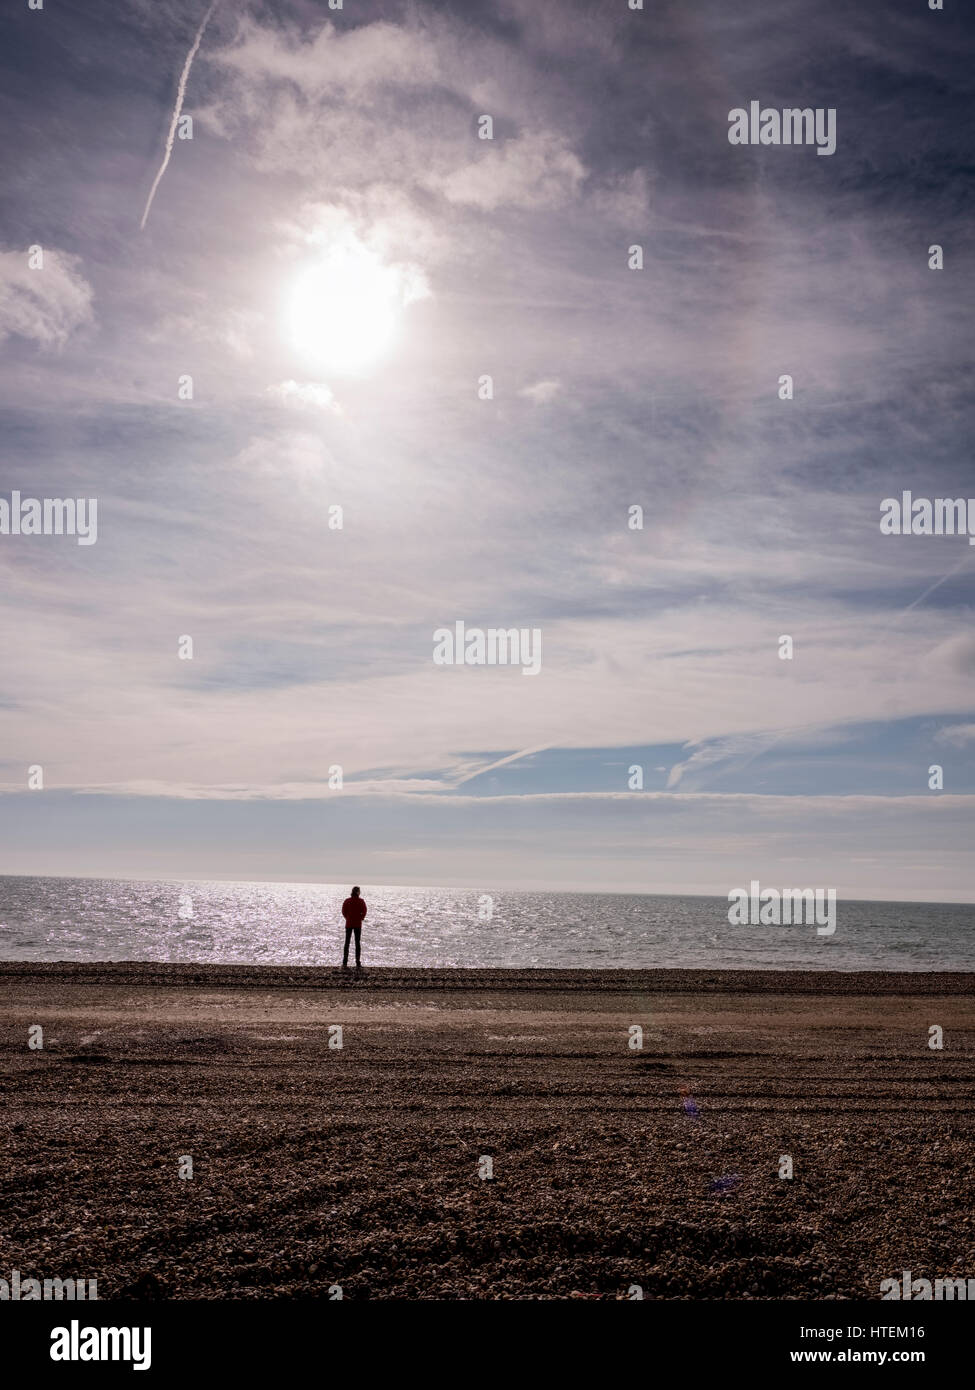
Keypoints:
pixel 65 919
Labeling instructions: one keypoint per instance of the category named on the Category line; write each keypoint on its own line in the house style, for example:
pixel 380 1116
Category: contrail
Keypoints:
pixel 180 93
pixel 511 758
pixel 937 584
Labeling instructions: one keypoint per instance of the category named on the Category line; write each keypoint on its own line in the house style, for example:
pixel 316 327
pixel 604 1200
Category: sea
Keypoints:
pixel 101 919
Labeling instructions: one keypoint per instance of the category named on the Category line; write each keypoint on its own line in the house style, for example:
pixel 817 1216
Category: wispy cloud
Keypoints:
pixel 959 735
pixel 541 392
pixel 44 304
pixel 310 395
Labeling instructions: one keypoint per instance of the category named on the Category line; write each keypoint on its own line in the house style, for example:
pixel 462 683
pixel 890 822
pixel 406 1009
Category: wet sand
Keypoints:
pixel 360 1166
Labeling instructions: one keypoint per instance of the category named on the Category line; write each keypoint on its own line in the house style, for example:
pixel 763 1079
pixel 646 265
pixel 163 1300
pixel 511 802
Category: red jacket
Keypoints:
pixel 353 910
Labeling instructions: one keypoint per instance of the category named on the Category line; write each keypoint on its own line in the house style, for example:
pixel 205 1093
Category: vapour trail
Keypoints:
pixel 936 585
pixel 177 109
pixel 501 762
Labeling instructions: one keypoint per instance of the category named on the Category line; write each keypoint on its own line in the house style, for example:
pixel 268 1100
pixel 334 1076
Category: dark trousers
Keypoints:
pixel 348 938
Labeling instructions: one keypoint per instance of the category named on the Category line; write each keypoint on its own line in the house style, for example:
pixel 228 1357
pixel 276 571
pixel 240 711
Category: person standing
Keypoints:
pixel 353 910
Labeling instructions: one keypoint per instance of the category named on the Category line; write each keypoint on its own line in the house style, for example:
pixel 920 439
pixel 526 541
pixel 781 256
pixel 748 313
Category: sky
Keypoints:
pixel 285 321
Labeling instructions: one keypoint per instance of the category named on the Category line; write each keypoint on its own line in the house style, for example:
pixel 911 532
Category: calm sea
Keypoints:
pixel 50 919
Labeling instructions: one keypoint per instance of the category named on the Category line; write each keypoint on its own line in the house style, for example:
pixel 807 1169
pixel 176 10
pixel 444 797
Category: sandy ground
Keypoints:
pixel 316 1166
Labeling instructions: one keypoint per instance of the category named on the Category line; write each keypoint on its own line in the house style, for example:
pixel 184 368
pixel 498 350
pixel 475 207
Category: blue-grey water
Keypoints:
pixel 81 919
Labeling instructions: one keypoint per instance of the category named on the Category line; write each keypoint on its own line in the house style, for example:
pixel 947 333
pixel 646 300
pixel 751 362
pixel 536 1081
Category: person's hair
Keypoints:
pixel 355 892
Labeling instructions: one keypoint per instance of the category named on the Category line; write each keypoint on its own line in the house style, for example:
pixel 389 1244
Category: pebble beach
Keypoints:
pixel 484 1134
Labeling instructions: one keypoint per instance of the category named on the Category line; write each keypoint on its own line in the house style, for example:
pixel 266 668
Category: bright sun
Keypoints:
pixel 343 312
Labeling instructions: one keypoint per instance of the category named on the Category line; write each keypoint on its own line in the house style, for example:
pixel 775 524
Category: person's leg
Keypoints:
pixel 358 939
pixel 348 938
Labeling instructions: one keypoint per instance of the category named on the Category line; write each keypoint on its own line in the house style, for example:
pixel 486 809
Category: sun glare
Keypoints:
pixel 344 310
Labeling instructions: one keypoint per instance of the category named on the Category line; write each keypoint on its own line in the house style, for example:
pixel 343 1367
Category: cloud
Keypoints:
pixel 743 747
pixel 959 735
pixel 396 105
pixel 623 199
pixel 47 304
pixel 233 329
pixel 958 653
pixel 542 392
pixel 340 65
pixel 309 395
pixel 534 170
pixel 295 457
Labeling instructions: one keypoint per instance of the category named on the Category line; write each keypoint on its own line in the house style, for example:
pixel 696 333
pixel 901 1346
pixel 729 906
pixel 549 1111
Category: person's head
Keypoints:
pixel 355 892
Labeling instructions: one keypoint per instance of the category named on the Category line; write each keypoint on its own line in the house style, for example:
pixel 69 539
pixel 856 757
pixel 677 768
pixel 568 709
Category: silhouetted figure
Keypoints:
pixel 353 910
